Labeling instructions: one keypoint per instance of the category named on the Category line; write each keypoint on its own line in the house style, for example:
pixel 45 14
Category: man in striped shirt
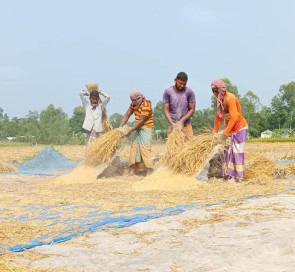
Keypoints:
pixel 140 152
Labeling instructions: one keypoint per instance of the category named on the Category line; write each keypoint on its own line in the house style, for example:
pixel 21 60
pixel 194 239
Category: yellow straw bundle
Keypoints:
pixel 6 167
pixel 92 87
pixel 174 145
pixel 195 153
pixel 106 124
pixel 104 147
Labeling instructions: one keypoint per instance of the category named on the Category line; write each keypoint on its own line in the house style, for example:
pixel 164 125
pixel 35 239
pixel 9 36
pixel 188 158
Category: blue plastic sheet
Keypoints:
pixel 95 219
pixel 48 162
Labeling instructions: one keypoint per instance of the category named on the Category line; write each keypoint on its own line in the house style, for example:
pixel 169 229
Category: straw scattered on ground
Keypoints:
pixel 6 167
pixel 261 169
pixel 161 189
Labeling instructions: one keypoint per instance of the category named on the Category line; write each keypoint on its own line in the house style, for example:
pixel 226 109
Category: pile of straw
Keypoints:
pixel 258 167
pixel 174 145
pixel 5 167
pixel 195 153
pixel 261 168
pixel 104 147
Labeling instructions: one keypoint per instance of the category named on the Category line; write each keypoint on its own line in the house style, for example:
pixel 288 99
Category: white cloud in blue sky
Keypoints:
pixel 50 49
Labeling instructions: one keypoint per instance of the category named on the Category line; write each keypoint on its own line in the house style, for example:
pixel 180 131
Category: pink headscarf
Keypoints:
pixel 136 94
pixel 221 87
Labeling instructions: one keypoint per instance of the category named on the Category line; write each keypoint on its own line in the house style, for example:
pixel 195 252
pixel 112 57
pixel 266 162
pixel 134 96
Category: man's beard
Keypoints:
pixel 178 88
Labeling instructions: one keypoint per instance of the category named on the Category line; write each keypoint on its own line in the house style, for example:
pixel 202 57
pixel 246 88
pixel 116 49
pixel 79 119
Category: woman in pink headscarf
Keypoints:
pixel 140 152
pixel 236 126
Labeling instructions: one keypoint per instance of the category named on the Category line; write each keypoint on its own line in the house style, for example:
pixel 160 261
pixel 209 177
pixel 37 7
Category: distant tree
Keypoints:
pixel 160 122
pixel 279 112
pixel 251 108
pixel 54 126
pixel 33 116
pixel 116 119
pixel 9 128
pixel 231 88
pixel 30 127
pixel 265 119
pixel 203 119
pixel 76 121
pixel 1 114
pixel 287 96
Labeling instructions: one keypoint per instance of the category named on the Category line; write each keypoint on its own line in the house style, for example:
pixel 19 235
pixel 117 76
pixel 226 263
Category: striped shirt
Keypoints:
pixel 146 110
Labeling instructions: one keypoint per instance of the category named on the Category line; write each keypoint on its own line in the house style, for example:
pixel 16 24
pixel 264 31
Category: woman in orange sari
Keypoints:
pixel 236 126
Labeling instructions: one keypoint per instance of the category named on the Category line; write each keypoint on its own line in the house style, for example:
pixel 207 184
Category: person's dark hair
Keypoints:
pixel 94 93
pixel 182 76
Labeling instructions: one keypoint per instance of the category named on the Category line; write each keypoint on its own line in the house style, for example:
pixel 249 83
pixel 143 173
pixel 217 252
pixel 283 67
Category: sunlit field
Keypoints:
pixel 34 206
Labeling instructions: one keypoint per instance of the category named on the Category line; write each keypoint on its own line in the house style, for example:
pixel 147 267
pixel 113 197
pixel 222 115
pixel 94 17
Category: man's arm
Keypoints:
pixel 106 98
pixel 167 114
pixel 84 97
pixel 126 117
pixel 190 113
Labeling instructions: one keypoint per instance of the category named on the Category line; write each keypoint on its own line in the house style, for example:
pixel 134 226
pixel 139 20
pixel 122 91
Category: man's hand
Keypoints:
pixel 124 129
pixel 128 132
pixel 180 124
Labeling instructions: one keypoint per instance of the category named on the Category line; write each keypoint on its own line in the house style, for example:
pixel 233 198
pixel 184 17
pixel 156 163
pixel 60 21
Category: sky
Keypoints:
pixel 49 50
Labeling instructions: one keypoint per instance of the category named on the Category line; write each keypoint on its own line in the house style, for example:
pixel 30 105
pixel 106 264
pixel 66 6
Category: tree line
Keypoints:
pixel 52 125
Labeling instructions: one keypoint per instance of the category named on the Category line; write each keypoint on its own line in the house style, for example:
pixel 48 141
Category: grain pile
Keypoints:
pixel 104 147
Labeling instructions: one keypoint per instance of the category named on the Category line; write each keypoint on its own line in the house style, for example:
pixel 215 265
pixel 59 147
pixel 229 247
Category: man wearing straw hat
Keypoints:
pixel 142 132
pixel 94 102
pixel 179 105
pixel 229 108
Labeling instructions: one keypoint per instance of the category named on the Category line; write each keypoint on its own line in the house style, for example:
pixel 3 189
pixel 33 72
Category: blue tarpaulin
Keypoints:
pixel 47 162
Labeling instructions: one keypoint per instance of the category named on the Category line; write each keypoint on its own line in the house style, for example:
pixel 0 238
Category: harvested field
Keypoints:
pixel 71 204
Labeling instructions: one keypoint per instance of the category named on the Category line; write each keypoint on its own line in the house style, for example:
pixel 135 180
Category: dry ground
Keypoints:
pixel 110 194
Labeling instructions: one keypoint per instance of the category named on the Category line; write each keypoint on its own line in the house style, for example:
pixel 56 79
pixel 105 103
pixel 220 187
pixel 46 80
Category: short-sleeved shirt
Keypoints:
pixel 144 109
pixel 179 102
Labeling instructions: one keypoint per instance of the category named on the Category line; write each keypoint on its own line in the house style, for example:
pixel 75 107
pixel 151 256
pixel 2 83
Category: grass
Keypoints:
pixel 15 144
pixel 272 140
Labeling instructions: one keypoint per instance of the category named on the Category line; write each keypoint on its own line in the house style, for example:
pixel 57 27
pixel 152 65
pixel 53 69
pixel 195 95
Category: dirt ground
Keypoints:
pixel 83 193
